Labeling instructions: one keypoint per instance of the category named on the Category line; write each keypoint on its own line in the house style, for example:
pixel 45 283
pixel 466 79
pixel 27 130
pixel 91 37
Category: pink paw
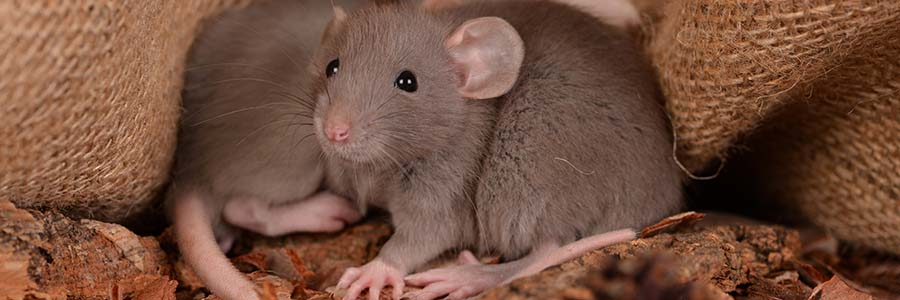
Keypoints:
pixel 374 276
pixel 323 212
pixel 464 281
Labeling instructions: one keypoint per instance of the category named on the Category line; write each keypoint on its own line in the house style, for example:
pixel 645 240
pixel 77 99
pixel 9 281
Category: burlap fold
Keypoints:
pixel 822 79
pixel 89 97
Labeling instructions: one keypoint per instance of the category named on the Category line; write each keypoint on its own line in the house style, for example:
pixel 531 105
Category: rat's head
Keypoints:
pixel 396 83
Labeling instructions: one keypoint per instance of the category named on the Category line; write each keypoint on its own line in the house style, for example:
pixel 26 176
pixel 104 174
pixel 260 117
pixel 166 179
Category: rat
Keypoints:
pixel 527 129
pixel 246 159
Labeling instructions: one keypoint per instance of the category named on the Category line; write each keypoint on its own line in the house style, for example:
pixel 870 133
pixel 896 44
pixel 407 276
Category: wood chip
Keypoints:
pixel 836 289
pixel 672 223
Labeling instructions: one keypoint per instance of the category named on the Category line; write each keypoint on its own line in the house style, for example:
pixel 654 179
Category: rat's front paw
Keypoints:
pixel 374 276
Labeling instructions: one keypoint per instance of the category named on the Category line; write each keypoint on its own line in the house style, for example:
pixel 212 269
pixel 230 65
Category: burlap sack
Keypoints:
pixel 89 95
pixel 821 77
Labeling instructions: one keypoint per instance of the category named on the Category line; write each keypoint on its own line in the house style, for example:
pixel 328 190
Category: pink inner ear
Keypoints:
pixel 459 70
pixel 468 58
pixel 457 62
pixel 487 54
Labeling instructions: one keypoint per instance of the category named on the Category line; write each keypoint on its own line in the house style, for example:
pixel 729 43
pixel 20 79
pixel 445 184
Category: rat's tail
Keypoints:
pixel 576 249
pixel 194 234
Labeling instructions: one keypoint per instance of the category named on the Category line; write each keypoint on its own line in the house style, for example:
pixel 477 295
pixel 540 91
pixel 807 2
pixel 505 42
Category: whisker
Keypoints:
pixel 223 81
pixel 229 64
pixel 303 102
pixel 261 128
pixel 233 112
pixel 389 156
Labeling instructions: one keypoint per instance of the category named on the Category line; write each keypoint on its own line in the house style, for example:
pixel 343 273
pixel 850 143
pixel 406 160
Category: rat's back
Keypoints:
pixel 582 144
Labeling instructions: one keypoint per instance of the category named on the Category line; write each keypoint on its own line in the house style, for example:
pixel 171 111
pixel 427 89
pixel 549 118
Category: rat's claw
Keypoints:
pixel 425 278
pixel 374 276
pixel 433 291
pixel 355 289
pixel 375 291
pixel 398 284
pixel 349 277
pixel 460 282
pixel 463 293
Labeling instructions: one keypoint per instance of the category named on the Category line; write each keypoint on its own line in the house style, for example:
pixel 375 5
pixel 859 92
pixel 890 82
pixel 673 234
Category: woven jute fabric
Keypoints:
pixel 727 65
pixel 89 95
pixel 810 90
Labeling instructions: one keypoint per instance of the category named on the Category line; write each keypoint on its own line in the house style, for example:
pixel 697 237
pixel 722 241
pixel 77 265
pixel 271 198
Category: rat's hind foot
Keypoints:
pixel 322 212
pixel 471 277
pixel 466 280
pixel 373 276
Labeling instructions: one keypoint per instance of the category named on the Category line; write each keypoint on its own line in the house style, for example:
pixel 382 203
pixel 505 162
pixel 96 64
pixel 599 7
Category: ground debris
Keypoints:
pixel 724 257
pixel 837 289
pixel 44 255
pixel 672 223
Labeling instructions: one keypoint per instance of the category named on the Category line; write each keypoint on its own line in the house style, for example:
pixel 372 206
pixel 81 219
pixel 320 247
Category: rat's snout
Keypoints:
pixel 337 129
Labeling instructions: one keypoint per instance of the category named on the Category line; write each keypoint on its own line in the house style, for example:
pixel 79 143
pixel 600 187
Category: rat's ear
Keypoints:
pixel 340 16
pixel 487 54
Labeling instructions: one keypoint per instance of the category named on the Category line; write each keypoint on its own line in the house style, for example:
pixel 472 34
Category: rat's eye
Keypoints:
pixel 332 67
pixel 407 82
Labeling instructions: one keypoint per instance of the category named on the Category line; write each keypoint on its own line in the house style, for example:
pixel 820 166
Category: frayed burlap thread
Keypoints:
pixel 89 95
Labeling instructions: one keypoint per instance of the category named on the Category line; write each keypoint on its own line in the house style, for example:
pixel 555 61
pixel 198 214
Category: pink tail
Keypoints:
pixel 193 232
pixel 576 249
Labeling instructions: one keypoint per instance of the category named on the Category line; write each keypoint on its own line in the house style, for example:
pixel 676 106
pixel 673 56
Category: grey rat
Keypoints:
pixel 509 127
pixel 246 157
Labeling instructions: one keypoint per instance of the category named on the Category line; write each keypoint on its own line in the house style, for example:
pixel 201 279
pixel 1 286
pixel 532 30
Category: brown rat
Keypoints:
pixel 246 155
pixel 513 127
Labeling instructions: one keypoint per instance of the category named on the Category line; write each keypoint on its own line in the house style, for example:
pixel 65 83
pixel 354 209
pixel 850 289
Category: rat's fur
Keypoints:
pixel 579 146
pixel 412 154
pixel 246 132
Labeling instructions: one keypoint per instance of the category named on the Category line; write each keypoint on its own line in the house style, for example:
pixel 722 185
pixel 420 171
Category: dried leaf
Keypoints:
pixel 14 279
pixel 272 287
pixel 298 263
pixel 160 289
pixel 128 243
pixel 808 272
pixel 836 289
pixel 20 224
pixel 258 260
pixel 785 286
pixel 672 223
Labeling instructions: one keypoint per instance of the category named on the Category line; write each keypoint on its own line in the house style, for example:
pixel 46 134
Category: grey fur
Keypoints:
pixel 580 146
pixel 246 130
pixel 243 130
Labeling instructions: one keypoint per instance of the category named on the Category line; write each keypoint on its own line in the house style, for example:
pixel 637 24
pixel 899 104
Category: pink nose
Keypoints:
pixel 337 132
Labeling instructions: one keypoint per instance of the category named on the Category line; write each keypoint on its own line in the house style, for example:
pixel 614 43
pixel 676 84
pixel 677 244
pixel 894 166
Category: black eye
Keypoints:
pixel 407 82
pixel 332 67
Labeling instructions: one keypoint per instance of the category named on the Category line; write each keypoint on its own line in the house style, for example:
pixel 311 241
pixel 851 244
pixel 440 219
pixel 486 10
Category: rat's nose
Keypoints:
pixel 337 132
